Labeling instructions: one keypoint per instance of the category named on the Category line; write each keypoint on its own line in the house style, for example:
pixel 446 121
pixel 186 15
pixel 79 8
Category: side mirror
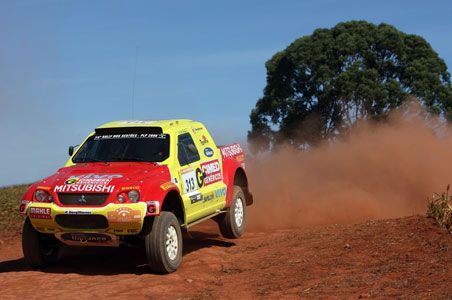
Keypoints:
pixel 71 150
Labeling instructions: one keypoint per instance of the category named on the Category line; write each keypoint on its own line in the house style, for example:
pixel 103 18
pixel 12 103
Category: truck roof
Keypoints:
pixel 166 125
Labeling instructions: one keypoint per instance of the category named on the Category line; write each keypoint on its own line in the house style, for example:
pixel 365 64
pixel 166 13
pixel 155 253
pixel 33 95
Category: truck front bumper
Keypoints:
pixel 114 219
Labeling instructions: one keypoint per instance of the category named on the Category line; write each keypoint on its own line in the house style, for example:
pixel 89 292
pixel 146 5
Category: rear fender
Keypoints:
pixel 231 166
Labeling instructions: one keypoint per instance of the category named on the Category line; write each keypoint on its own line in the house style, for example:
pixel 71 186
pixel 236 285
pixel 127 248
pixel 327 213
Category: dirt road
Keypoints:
pixel 407 258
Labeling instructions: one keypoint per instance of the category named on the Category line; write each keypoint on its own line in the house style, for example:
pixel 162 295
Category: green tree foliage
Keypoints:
pixel 321 84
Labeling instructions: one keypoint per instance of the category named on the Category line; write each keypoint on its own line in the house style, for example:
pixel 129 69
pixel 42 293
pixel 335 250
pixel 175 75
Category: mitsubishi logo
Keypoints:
pixel 82 200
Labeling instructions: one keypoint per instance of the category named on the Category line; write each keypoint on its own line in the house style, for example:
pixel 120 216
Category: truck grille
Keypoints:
pixel 82 221
pixel 82 199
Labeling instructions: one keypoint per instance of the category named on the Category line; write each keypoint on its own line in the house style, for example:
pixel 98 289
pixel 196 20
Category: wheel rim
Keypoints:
pixel 238 212
pixel 172 243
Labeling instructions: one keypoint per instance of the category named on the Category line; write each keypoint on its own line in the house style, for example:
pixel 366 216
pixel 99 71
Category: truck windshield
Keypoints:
pixel 130 147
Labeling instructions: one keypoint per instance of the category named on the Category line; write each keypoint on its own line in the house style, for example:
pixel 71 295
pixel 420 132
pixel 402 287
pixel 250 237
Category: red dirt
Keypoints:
pixel 398 258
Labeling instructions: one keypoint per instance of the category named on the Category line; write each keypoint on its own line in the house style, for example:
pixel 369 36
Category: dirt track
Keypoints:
pixel 408 258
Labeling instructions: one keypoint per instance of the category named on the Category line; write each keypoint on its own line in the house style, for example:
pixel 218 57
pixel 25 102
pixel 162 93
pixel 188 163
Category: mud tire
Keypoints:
pixel 230 225
pixel 164 231
pixel 40 250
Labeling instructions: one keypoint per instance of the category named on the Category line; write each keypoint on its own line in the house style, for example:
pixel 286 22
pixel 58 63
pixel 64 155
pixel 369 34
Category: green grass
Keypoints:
pixel 10 218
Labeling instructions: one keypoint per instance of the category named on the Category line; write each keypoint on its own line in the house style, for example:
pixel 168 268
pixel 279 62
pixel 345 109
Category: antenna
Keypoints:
pixel 133 84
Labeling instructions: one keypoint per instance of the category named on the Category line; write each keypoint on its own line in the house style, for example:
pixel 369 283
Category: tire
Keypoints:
pixel 163 244
pixel 40 250
pixel 233 222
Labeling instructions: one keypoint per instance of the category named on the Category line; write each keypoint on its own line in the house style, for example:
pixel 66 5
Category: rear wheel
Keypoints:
pixel 40 250
pixel 233 222
pixel 164 243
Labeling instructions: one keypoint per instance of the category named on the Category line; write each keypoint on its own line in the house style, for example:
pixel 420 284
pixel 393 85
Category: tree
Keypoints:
pixel 321 84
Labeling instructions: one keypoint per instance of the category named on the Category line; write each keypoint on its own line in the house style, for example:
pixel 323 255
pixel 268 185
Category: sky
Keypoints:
pixel 68 66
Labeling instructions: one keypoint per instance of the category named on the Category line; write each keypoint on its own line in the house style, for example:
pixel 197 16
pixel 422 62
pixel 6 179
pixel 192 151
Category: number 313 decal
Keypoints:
pixel 189 181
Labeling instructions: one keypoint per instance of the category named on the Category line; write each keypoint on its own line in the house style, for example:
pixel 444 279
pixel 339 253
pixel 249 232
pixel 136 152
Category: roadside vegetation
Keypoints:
pixel 10 219
pixel 440 208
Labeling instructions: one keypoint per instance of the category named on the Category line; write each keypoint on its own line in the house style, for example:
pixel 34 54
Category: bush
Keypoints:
pixel 440 208
pixel 10 219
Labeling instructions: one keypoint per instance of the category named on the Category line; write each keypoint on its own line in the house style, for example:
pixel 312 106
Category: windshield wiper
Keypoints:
pixel 92 159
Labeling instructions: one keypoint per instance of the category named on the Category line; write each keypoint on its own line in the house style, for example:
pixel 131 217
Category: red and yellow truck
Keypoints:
pixel 137 181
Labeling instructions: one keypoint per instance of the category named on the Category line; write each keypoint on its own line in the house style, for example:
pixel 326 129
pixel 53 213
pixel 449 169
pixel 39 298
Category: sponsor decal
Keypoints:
pixel 240 157
pixel 124 215
pixel 71 181
pixel 131 136
pixel 208 197
pixel 40 212
pixel 211 172
pixel 195 198
pixel 203 140
pixel 130 188
pixel 86 237
pixel 208 152
pixel 153 207
pixel 92 179
pixel 84 188
pixel 200 197
pixel 220 193
pixel 45 188
pixel 77 212
pixel 199 177
pixel 196 129
pixel 23 206
pixel 167 186
pixel 231 150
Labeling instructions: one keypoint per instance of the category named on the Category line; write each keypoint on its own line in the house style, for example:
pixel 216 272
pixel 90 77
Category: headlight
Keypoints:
pixel 43 196
pixel 134 196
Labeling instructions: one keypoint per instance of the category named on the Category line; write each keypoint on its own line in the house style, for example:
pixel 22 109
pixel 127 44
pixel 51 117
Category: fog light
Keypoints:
pixel 122 198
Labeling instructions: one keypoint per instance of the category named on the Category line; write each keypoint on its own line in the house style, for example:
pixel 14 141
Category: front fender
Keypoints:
pixel 155 195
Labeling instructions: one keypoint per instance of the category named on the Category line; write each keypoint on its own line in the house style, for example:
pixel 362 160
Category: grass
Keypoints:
pixel 10 219
pixel 440 208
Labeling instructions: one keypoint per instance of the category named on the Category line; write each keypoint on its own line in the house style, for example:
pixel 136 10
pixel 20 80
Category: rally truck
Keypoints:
pixel 137 182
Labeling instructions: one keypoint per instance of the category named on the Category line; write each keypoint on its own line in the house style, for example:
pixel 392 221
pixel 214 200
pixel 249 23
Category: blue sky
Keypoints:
pixel 68 66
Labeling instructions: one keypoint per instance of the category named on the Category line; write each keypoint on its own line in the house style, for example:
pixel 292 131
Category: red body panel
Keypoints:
pixel 112 178
pixel 233 159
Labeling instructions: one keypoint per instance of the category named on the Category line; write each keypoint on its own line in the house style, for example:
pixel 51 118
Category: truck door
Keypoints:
pixel 213 186
pixel 190 177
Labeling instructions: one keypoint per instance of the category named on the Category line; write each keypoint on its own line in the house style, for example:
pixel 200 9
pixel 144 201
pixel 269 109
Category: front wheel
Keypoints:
pixel 164 244
pixel 233 222
pixel 40 250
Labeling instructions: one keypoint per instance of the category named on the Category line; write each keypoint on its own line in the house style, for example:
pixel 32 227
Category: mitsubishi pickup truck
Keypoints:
pixel 142 182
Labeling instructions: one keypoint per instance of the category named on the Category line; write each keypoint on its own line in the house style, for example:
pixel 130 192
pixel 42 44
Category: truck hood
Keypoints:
pixel 102 177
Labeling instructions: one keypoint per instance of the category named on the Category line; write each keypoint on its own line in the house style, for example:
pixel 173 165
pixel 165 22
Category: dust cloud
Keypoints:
pixel 383 170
